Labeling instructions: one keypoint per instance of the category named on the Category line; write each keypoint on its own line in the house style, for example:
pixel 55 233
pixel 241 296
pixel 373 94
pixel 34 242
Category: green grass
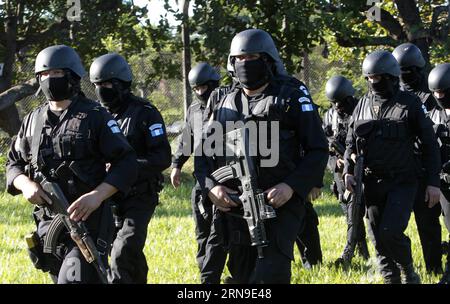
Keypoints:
pixel 170 247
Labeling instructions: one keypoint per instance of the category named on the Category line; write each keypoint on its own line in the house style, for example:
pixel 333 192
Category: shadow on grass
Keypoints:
pixel 175 202
pixel 329 210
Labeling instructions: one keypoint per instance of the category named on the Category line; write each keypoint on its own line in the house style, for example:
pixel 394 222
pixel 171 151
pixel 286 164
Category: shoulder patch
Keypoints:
pixel 304 99
pixel 156 129
pixel 307 107
pixel 424 109
pixel 304 90
pixel 112 124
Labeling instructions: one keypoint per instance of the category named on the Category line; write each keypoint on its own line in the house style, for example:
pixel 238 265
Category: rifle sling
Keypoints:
pixel 40 117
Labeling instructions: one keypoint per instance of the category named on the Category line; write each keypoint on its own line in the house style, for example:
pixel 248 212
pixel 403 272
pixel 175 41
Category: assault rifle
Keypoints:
pixel 252 199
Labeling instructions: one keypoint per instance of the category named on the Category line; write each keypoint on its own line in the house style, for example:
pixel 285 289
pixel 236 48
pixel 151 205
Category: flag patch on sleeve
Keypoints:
pixel 112 124
pixel 156 130
pixel 307 107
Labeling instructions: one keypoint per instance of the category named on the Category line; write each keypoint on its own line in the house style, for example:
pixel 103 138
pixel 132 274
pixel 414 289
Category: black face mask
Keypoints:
pixel 109 98
pixel 444 102
pixel 252 74
pixel 346 106
pixel 204 97
pixel 56 89
pixel 411 79
pixel 385 88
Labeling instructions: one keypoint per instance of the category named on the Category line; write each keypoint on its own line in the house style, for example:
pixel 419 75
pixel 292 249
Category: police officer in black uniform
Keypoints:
pixel 413 79
pixel 439 84
pixel 308 238
pixel 384 127
pixel 267 94
pixel 70 139
pixel 339 90
pixel 204 80
pixel 144 128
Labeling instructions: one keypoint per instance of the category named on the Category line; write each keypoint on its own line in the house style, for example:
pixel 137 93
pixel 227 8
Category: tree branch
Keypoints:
pixel 369 41
pixel 51 30
pixel 19 92
pixel 409 12
pixel 392 25
pixel 437 11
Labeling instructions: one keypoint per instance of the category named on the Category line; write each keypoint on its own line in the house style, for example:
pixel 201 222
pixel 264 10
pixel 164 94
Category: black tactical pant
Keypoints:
pixel 210 261
pixel 389 206
pixel 445 204
pixel 347 209
pixel 275 268
pixel 308 238
pixel 75 269
pixel 215 252
pixel 128 263
pixel 429 228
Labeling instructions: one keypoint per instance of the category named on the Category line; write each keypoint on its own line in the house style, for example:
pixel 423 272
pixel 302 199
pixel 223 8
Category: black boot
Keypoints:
pixel 346 258
pixel 446 276
pixel 409 275
pixel 392 280
pixel 363 251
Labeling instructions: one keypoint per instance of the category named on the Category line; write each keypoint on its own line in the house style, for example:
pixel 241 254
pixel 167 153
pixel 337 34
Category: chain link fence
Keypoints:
pixel 165 94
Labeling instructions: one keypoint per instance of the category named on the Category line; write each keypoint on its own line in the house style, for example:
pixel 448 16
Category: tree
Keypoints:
pixel 293 24
pixel 30 26
pixel 422 22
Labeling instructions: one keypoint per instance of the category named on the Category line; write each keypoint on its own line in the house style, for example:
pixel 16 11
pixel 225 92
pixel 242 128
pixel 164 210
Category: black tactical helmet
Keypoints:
pixel 408 55
pixel 201 74
pixel 59 57
pixel 380 62
pixel 439 78
pixel 110 66
pixel 338 88
pixel 256 41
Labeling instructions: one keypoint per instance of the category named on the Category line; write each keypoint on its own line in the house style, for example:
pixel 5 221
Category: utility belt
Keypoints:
pixel 147 186
pixel 385 174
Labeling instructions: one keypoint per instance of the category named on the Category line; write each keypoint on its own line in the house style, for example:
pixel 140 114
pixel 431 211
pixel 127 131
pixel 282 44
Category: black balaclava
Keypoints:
pixel 444 102
pixel 386 87
pixel 211 86
pixel 61 88
pixel 411 77
pixel 253 74
pixel 113 98
pixel 345 106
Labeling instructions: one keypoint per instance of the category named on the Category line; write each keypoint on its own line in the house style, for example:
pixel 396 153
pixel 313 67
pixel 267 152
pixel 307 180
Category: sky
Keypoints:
pixel 156 9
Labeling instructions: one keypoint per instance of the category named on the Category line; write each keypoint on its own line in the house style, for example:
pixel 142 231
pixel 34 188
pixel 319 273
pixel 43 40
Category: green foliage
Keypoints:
pixel 36 21
pixel 3 160
pixel 294 26
pixel 348 25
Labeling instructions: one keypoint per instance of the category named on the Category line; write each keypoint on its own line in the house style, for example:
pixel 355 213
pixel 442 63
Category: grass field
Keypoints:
pixel 170 247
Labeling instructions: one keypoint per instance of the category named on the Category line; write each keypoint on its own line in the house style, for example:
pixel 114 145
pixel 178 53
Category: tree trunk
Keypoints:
pixel 186 55
pixel 9 117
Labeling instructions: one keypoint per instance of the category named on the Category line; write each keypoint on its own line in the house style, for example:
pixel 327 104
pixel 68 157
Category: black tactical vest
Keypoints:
pixel 267 107
pixel 389 143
